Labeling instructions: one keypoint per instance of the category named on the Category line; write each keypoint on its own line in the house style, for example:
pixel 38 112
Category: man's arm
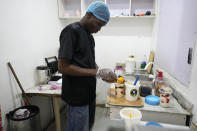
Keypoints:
pixel 66 68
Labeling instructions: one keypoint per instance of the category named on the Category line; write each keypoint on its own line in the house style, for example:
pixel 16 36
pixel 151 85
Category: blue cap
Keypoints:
pixel 143 62
pixel 100 10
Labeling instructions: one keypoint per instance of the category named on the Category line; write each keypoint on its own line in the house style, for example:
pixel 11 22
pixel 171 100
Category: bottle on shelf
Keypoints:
pixel 143 64
pixel 130 65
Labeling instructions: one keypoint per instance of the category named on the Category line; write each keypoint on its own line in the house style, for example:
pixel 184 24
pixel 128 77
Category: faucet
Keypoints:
pixel 146 67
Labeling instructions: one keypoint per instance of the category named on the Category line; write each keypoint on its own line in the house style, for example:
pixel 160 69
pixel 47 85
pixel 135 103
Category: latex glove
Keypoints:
pixel 107 75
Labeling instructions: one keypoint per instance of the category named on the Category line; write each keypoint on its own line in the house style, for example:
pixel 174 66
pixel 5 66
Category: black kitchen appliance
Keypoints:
pixel 52 64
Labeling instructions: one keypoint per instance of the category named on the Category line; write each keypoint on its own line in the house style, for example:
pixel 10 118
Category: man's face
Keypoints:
pixel 94 25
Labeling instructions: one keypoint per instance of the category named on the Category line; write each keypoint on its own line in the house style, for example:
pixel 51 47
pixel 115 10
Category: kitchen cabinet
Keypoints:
pixel 118 8
pixel 177 36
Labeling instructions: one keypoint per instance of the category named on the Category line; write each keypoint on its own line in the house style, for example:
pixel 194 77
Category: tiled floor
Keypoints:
pixel 101 112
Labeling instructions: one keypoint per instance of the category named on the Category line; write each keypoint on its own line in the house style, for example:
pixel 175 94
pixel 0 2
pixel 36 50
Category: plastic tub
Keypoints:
pixel 152 100
pixel 131 117
pixel 130 114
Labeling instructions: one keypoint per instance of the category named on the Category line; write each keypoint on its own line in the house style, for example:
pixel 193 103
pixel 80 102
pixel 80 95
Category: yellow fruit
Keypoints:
pixel 120 80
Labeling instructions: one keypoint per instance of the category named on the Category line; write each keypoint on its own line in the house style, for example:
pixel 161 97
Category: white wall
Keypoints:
pixel 118 40
pixel 177 32
pixel 193 85
pixel 29 32
pixel 189 92
pixel 121 38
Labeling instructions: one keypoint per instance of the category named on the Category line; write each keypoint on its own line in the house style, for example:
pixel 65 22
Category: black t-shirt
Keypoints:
pixel 77 46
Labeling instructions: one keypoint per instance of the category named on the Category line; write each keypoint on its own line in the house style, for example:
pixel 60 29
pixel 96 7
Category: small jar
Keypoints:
pixel 145 90
pixel 160 82
pixel 119 71
pixel 119 89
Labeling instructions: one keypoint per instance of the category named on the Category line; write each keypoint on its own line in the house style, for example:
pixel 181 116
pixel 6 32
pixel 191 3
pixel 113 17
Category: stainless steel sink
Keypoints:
pixel 144 76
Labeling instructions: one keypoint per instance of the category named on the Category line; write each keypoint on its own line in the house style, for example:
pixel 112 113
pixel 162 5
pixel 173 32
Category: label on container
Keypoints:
pixel 134 92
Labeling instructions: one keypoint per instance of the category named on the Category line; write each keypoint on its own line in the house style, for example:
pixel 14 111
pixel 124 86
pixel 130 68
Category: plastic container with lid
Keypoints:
pixel 131 117
pixel 131 114
pixel 152 100
pixel 165 94
pixel 119 71
pixel 130 65
pixel 145 90
pixel 119 89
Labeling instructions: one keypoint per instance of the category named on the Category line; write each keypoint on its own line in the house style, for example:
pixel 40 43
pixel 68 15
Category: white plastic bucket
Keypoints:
pixel 131 116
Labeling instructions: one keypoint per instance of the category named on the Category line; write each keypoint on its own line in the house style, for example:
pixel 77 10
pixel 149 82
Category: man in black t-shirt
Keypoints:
pixel 76 61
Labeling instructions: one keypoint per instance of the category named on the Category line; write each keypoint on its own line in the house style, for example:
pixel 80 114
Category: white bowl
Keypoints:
pixel 130 114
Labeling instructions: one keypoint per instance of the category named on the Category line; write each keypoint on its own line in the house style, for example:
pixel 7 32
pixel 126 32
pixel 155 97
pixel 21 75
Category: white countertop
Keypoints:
pixel 174 107
pixel 35 90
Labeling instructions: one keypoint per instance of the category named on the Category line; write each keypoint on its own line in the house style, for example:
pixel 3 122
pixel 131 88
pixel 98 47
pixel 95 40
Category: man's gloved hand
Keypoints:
pixel 106 75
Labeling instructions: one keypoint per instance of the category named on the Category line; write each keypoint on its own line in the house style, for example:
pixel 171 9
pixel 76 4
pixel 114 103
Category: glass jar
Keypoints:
pixel 160 82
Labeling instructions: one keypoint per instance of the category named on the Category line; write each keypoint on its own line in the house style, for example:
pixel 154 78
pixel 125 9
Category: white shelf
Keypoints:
pixel 114 17
pixel 119 7
pixel 146 5
pixel 140 17
pixel 69 8
pixel 74 9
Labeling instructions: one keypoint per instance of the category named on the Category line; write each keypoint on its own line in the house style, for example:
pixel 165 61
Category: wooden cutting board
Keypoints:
pixel 113 100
